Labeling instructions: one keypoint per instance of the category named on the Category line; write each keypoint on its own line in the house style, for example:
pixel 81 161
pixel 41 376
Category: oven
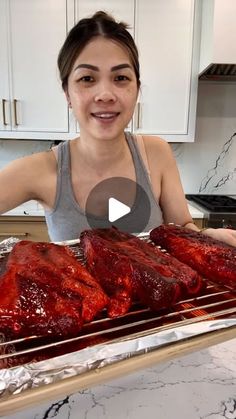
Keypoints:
pixel 218 210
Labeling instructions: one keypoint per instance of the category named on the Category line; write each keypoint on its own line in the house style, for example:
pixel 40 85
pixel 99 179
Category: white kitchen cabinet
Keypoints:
pixel 33 104
pixel 122 10
pixel 168 35
pixel 218 35
pixel 4 70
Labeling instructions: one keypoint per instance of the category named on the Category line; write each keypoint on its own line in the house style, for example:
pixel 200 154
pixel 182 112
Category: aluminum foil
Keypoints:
pixel 33 375
pixel 7 245
pixel 18 379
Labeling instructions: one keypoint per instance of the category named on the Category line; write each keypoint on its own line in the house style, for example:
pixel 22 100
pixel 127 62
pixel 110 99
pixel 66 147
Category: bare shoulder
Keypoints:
pixel 45 158
pixel 41 168
pixel 157 148
pixel 153 142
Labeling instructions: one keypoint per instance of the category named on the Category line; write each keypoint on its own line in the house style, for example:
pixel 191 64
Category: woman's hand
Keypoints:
pixel 225 235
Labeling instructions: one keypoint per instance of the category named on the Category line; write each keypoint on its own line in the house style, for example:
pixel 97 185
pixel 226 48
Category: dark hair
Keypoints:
pixel 100 24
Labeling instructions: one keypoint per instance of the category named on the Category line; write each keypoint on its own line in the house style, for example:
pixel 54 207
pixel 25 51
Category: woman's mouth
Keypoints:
pixel 105 116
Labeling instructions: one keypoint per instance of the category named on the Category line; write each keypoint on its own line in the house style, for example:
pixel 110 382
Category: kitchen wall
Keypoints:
pixel 13 149
pixel 208 165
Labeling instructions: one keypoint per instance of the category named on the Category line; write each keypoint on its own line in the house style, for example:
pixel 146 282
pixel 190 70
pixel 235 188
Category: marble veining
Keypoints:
pixel 201 385
pixel 210 180
pixel 208 165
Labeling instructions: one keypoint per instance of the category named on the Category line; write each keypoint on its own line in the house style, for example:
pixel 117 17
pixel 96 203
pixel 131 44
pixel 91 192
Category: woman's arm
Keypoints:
pixel 167 184
pixel 168 189
pixel 25 179
pixel 15 185
pixel 223 234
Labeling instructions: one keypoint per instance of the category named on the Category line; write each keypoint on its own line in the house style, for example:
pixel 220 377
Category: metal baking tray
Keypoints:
pixel 107 348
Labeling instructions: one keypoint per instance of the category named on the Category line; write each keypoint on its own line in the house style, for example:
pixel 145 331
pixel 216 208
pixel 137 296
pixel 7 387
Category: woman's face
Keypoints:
pixel 102 89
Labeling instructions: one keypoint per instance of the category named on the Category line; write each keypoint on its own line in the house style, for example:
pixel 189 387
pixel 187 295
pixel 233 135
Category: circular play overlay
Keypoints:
pixel 118 202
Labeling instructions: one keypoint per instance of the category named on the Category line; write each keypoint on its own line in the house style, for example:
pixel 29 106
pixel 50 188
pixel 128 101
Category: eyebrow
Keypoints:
pixel 95 68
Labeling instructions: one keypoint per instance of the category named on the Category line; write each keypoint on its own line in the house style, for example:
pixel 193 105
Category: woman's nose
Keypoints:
pixel 105 93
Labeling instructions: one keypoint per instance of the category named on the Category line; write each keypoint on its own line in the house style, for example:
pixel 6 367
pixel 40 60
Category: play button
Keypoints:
pixel 119 202
pixel 117 210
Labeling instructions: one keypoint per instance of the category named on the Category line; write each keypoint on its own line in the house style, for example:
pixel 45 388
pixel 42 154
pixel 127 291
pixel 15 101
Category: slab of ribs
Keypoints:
pixel 128 268
pixel 211 258
pixel 46 291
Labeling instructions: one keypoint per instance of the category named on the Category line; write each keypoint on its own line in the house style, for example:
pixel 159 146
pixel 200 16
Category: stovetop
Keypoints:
pixel 215 203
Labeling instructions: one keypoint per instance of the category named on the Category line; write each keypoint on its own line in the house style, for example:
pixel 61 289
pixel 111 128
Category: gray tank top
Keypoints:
pixel 67 220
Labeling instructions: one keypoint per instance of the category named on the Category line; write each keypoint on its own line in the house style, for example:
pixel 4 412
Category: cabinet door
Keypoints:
pixel 5 118
pixel 38 29
pixel 120 9
pixel 164 34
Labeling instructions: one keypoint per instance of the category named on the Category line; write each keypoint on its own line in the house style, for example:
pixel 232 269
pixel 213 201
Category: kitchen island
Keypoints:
pixel 196 386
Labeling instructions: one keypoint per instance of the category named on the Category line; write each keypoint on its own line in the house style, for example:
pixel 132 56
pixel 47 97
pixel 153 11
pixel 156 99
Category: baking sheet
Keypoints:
pixel 18 379
pixel 22 378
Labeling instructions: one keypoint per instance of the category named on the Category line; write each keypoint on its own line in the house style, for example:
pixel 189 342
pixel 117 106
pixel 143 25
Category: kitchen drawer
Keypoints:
pixel 32 228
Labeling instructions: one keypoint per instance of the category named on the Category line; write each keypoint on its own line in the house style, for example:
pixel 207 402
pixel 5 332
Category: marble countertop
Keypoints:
pixel 30 208
pixel 33 208
pixel 201 385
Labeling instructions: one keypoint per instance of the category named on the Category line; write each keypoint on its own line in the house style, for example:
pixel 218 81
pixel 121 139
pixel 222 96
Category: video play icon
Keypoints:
pixel 117 210
pixel 118 202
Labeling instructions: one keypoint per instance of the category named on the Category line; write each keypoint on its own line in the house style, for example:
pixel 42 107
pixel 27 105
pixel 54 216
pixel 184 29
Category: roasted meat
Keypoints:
pixel 46 291
pixel 112 270
pixel 168 266
pixel 126 273
pixel 211 258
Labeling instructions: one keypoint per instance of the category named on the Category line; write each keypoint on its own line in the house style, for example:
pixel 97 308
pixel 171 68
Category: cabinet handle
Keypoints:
pixel 13 234
pixel 15 111
pixel 4 111
pixel 139 114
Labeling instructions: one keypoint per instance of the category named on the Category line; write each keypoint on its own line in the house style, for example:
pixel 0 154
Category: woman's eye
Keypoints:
pixel 86 79
pixel 121 78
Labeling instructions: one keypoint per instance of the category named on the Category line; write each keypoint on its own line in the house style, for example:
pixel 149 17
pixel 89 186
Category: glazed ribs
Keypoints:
pixel 46 291
pixel 127 268
pixel 190 281
pixel 211 258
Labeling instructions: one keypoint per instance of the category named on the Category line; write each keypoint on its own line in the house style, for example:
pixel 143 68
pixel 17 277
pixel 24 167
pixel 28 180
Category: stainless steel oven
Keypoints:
pixel 219 210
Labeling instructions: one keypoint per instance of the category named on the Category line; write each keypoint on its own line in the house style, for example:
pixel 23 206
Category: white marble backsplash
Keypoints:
pixel 206 166
pixel 14 149
pixel 209 164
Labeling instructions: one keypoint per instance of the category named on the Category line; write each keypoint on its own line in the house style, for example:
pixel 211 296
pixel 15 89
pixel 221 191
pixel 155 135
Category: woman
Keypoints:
pixel 99 70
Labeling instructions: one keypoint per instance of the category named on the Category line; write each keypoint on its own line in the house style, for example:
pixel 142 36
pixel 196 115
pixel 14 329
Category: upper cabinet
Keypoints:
pixel 122 10
pixel 32 101
pixel 167 34
pixel 4 70
pixel 218 46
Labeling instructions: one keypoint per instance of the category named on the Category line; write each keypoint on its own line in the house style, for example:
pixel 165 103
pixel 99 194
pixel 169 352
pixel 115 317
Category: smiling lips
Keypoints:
pixel 105 116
